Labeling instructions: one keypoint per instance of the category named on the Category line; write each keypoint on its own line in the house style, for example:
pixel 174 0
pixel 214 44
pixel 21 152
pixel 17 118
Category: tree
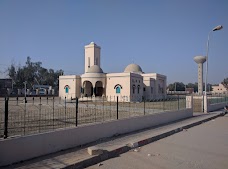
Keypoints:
pixel 176 86
pixel 194 86
pixel 225 83
pixel 33 73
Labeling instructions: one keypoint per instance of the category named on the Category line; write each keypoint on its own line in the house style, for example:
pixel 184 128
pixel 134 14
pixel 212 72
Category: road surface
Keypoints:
pixel 201 147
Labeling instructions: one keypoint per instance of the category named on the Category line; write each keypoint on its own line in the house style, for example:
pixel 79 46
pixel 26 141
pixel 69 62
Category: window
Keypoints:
pixel 66 90
pixel 138 89
pixel 133 87
pixel 159 89
pixel 118 89
pixel 144 89
pixel 88 61
pixel 152 90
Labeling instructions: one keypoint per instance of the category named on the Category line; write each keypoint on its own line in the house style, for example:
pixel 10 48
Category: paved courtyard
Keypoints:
pixel 204 146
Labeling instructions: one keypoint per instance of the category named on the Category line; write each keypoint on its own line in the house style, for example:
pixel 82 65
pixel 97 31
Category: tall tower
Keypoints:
pixel 200 60
pixel 92 55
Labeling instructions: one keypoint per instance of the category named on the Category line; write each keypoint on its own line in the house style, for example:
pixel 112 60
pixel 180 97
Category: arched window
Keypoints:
pixel 66 90
pixel 118 89
pixel 133 88
pixel 138 88
pixel 88 62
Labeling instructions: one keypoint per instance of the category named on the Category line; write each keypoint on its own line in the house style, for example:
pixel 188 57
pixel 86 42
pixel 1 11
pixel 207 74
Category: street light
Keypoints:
pixel 217 28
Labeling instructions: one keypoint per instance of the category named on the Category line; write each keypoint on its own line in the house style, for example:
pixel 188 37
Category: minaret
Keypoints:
pixel 200 60
pixel 92 55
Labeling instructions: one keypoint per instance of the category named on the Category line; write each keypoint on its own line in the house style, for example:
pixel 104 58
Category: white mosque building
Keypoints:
pixel 131 85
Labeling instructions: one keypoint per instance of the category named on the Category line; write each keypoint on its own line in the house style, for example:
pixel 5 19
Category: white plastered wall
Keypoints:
pixel 92 55
pixel 74 83
pixel 122 79
pixel 149 85
pixel 219 89
pixel 158 80
pixel 136 80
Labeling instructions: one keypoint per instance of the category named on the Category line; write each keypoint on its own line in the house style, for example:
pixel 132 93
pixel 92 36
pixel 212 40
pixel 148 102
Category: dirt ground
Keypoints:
pixel 50 113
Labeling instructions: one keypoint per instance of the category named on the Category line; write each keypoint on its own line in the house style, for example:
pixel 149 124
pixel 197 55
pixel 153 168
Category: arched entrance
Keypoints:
pixel 98 88
pixel 88 88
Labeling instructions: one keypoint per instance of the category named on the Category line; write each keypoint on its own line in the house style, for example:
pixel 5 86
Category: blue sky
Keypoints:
pixel 161 36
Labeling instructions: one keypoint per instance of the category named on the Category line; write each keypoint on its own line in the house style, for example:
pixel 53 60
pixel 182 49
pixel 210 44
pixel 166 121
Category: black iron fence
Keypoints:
pixel 23 116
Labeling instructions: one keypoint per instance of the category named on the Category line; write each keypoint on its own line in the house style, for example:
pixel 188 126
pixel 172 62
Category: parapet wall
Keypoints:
pixel 23 148
pixel 217 106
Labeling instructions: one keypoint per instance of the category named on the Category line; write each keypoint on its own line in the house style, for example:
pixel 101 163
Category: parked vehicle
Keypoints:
pixel 42 91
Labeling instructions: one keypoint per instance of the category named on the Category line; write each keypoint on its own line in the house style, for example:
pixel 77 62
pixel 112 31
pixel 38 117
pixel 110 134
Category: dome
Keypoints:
pixel 94 69
pixel 133 68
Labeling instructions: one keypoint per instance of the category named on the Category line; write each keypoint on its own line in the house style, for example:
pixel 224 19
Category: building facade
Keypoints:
pixel 219 89
pixel 130 85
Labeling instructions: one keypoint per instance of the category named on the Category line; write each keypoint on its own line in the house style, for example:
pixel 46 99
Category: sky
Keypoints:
pixel 162 36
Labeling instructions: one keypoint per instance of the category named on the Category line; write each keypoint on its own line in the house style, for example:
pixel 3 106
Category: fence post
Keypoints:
pixel 110 115
pixel 129 114
pixel 65 111
pixel 76 111
pixel 144 105
pixel 47 99
pixel 6 117
pixel 103 108
pixel 25 115
pixel 217 97
pixel 178 102
pixel 53 113
pixel 95 116
pixel 17 100
pixel 117 106
pixel 163 103
pixel 39 114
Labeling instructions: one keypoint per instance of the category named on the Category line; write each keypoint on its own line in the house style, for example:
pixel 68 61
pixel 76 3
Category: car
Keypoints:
pixel 42 91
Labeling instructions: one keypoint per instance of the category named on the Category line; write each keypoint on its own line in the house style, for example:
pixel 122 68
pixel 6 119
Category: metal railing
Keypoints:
pixel 217 98
pixel 24 116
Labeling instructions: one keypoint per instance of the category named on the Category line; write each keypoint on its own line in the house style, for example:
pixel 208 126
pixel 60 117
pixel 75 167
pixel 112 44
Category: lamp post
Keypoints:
pixel 219 27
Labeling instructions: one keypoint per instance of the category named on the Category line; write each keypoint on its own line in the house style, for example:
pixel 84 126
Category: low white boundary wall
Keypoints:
pixel 217 106
pixel 23 148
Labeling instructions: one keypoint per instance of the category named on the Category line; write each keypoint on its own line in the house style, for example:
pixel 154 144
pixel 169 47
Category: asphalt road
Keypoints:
pixel 201 147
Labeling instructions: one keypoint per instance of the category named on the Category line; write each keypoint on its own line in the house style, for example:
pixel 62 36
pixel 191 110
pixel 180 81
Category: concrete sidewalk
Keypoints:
pixel 112 147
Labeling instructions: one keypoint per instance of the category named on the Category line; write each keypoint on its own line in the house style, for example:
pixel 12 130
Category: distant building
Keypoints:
pixel 131 85
pixel 190 90
pixel 219 89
